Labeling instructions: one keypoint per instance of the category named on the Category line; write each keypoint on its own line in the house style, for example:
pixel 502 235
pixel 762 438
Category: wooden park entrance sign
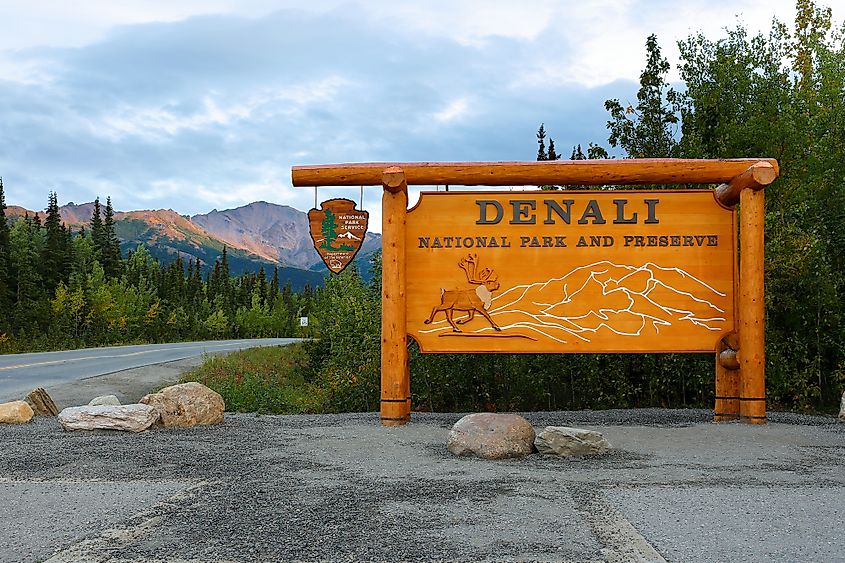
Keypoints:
pixel 570 271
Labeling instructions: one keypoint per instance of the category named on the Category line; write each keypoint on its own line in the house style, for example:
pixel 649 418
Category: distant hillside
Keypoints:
pixel 256 235
pixel 277 233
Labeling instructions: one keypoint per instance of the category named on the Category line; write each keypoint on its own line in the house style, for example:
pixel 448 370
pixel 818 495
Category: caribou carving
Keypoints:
pixel 474 300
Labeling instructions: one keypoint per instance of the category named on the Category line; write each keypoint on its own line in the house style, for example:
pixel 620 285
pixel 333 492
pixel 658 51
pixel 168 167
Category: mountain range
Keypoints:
pixel 256 235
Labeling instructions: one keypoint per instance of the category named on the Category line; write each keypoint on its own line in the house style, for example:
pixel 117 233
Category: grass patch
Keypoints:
pixel 269 380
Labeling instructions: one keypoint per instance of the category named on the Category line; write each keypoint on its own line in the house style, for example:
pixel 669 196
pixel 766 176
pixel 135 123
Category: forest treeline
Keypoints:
pixel 61 288
pixel 780 95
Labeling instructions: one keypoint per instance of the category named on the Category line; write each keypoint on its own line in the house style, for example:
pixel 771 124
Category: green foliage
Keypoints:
pixel 781 95
pixel 346 358
pixel 263 380
pixel 59 293
pixel 109 246
pixel 647 129
pixel 777 95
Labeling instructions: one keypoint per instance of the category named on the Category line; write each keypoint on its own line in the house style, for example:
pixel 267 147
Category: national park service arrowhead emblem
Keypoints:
pixel 338 231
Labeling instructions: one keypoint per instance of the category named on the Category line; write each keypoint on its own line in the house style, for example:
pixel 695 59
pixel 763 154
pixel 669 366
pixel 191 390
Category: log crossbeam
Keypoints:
pixel 756 177
pixel 572 172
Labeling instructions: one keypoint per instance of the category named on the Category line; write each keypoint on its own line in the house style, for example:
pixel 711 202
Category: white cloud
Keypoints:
pixel 160 108
pixel 453 110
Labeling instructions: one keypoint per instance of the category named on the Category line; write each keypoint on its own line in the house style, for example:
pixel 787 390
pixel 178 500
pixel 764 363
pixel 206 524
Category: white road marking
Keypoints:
pixel 622 541
pixel 126 355
pixel 98 548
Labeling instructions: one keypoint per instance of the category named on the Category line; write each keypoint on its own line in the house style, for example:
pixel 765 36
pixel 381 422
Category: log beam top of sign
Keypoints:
pixel 756 177
pixel 578 172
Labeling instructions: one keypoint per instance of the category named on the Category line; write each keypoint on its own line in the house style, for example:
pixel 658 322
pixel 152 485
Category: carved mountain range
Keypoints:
pixel 604 297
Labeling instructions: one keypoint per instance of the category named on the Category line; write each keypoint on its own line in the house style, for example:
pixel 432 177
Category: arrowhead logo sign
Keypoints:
pixel 337 230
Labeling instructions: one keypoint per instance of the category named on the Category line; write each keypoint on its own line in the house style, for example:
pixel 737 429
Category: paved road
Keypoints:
pixel 20 373
pixel 676 487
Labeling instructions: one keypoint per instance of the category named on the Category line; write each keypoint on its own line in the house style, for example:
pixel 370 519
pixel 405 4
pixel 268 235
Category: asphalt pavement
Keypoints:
pixel 21 373
pixel 675 487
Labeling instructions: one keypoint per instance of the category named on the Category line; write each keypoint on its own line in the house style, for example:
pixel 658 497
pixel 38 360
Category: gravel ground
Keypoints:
pixel 676 487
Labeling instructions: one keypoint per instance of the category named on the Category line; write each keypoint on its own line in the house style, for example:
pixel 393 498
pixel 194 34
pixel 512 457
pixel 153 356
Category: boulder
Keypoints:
pixel 41 402
pixel 105 400
pixel 16 412
pixel 492 436
pixel 565 441
pixel 186 405
pixel 130 418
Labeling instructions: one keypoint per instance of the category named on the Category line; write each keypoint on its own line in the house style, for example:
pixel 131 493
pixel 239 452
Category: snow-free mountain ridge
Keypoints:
pixel 255 235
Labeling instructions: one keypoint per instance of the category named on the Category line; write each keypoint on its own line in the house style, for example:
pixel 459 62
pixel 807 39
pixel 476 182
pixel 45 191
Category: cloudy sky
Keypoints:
pixel 201 104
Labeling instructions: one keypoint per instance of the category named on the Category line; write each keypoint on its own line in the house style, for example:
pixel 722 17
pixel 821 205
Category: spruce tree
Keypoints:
pixel 25 238
pixel 196 283
pixel 111 245
pixel 96 224
pixel 541 142
pixel 224 266
pixel 262 286
pixel 5 291
pixel 55 259
pixel 274 284
pixel 552 155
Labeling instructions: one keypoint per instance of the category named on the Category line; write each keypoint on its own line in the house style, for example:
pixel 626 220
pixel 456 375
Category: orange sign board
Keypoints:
pixel 569 272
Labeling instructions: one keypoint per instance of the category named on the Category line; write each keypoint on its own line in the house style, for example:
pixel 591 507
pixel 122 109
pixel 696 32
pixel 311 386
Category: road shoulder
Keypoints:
pixel 127 385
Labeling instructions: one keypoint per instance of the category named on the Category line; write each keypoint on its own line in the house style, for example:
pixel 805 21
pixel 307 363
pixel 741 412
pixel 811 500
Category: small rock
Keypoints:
pixel 130 418
pixel 492 436
pixel 187 404
pixel 565 441
pixel 105 400
pixel 41 402
pixel 16 412
pixel 842 408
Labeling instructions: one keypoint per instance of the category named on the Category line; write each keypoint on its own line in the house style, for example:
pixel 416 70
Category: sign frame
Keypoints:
pixel 740 356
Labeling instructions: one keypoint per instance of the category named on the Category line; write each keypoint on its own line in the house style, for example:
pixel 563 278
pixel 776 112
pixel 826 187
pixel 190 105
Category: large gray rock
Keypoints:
pixel 492 436
pixel 565 441
pixel 105 400
pixel 187 404
pixel 16 412
pixel 130 418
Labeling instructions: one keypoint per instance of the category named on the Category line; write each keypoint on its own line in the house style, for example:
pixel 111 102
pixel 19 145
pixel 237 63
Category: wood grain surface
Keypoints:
pixel 568 272
pixel 581 172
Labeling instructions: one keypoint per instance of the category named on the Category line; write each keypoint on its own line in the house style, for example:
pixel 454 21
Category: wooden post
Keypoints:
pixel 727 380
pixel 751 352
pixel 395 380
